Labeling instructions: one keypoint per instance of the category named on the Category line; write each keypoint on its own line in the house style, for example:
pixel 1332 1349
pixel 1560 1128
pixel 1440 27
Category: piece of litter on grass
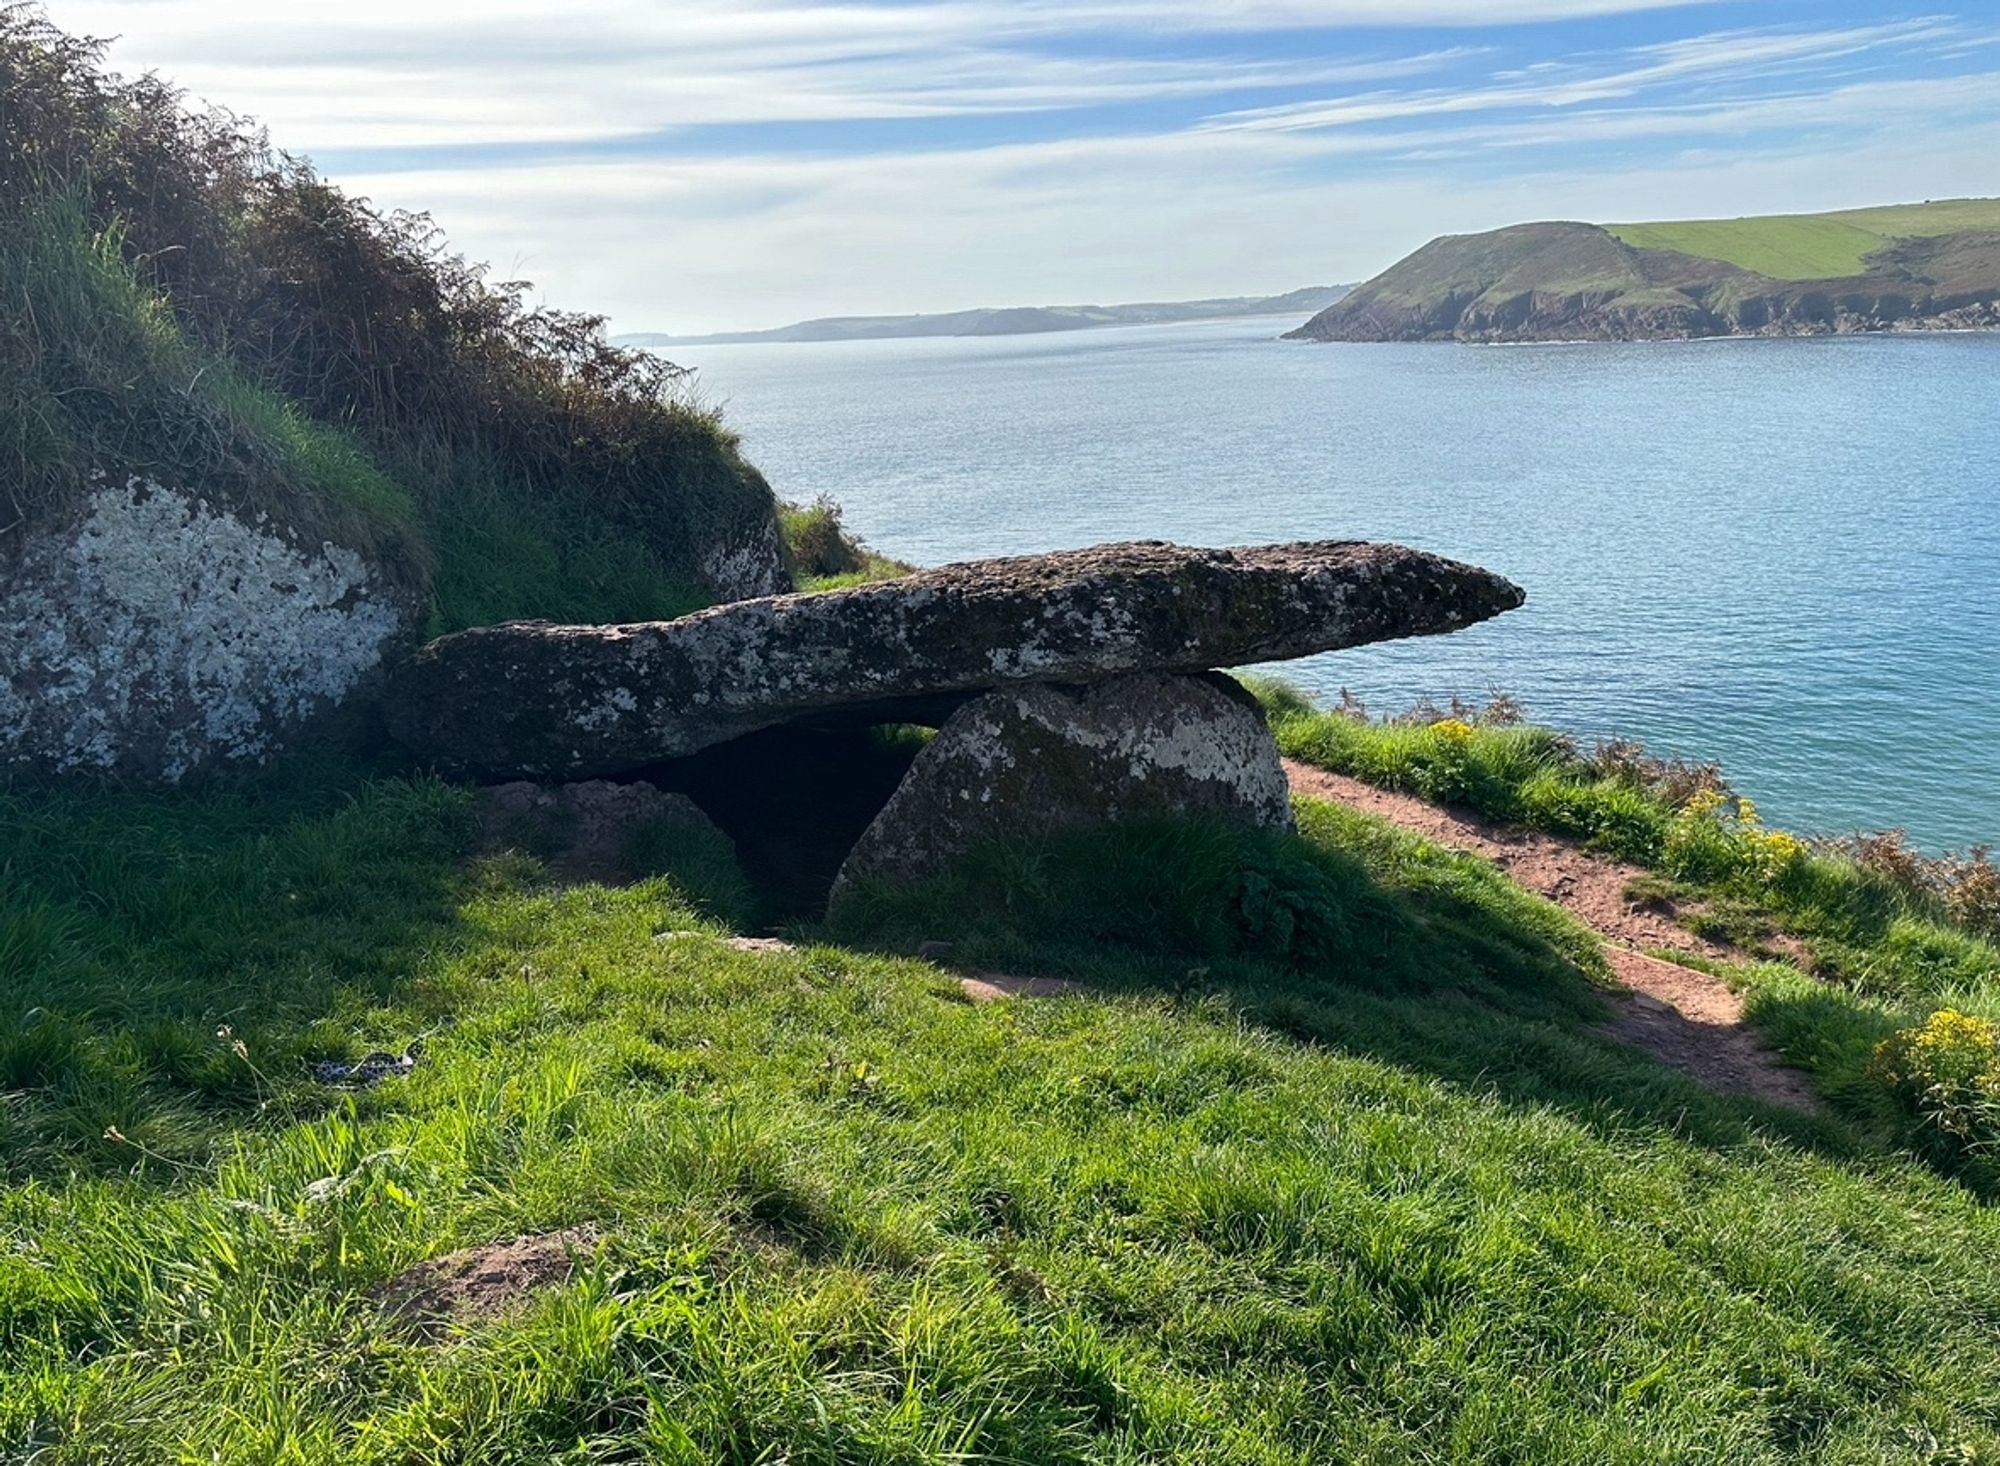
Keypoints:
pixel 371 1069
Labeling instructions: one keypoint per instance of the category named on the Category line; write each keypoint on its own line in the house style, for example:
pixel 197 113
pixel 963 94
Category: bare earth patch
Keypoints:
pixel 1686 1019
pixel 994 987
pixel 767 945
pixel 480 1283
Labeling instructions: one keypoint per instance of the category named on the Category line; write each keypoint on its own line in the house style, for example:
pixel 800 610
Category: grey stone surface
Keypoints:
pixel 1028 761
pixel 585 830
pixel 155 635
pixel 544 701
pixel 750 564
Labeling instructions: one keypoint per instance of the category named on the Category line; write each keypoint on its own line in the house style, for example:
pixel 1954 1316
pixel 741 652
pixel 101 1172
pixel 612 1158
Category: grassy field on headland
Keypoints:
pixel 1925 266
pixel 1810 246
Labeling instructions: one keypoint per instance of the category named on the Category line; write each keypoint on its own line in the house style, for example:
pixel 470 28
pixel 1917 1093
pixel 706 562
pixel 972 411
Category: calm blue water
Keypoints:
pixel 1780 554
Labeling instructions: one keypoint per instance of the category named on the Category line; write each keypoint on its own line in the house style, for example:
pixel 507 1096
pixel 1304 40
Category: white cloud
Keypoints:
pixel 1723 55
pixel 374 73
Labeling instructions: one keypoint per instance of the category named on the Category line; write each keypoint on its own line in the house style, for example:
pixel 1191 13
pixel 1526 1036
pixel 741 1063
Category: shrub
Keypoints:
pixel 1674 781
pixel 97 378
pixel 816 542
pixel 1965 887
pixel 1946 1073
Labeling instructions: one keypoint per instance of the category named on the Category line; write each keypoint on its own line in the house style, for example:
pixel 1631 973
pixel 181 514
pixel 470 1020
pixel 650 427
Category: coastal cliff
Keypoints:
pixel 1928 267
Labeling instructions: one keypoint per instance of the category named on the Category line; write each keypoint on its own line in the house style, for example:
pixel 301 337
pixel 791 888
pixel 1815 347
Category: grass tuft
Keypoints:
pixel 824 554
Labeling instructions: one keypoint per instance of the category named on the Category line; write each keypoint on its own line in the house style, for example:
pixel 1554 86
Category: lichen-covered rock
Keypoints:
pixel 1028 761
pixel 542 701
pixel 748 564
pixel 154 635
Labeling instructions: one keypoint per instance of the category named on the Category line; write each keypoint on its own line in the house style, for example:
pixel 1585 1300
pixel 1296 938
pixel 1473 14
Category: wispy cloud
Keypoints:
pixel 1722 56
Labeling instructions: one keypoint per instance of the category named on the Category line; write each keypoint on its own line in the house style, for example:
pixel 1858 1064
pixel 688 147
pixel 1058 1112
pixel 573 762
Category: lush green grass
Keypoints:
pixel 1331 1168
pixel 1805 247
pixel 1914 221
pixel 1809 246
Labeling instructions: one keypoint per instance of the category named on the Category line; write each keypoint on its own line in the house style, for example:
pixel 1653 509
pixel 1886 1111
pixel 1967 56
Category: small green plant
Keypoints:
pixel 816 541
pixel 1724 841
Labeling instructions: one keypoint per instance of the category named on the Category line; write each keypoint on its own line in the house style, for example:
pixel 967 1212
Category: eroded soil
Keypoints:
pixel 480 1283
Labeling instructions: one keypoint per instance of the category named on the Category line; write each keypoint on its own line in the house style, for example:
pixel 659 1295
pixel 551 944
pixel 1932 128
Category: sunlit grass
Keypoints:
pixel 1370 1190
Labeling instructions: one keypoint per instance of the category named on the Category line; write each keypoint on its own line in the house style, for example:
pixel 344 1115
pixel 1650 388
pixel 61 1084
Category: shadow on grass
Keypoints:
pixel 171 959
pixel 1350 935
pixel 172 965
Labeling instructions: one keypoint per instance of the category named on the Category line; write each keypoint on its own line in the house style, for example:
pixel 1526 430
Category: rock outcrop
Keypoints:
pixel 562 702
pixel 1029 761
pixel 589 830
pixel 154 634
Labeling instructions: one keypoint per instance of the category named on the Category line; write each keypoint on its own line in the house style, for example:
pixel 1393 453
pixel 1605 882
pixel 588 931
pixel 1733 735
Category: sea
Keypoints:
pixel 1782 555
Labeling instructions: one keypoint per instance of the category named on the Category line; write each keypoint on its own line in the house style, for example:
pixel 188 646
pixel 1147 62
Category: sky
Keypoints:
pixel 747 163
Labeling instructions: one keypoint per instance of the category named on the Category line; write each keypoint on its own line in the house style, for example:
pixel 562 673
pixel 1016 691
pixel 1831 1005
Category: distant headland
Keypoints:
pixel 1902 267
pixel 1013 320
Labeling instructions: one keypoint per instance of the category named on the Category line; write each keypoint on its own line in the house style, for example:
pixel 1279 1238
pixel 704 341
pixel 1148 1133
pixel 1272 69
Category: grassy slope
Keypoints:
pixel 1881 957
pixel 1810 246
pixel 1334 1168
pixel 96 376
pixel 183 301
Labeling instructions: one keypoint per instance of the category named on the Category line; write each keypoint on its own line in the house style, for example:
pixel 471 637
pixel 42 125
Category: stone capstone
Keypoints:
pixel 154 635
pixel 529 699
pixel 1026 762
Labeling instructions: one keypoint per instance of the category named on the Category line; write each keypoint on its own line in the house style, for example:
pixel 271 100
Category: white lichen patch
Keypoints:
pixel 752 566
pixel 160 635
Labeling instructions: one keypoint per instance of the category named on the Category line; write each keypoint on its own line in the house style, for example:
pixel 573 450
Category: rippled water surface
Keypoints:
pixel 1781 554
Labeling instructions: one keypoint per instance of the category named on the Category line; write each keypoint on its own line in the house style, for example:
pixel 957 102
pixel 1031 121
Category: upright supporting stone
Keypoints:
pixel 1025 762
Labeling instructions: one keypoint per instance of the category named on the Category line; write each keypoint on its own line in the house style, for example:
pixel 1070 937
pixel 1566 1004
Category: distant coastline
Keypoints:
pixel 1010 320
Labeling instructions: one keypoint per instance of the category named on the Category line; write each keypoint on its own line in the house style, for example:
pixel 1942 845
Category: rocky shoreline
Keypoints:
pixel 1539 322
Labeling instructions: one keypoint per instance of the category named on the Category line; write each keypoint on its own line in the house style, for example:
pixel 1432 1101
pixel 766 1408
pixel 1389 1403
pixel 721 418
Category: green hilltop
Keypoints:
pixel 1933 265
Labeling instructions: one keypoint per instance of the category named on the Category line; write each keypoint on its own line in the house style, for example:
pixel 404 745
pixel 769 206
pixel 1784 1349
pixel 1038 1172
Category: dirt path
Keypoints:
pixel 1683 1018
